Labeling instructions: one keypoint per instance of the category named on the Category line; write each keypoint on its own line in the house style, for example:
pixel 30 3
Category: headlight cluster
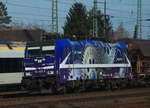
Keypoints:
pixel 50 72
pixel 30 68
pixel 28 74
pixel 39 60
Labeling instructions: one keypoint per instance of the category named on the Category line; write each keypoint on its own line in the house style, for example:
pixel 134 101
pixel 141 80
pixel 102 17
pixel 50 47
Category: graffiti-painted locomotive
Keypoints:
pixel 75 64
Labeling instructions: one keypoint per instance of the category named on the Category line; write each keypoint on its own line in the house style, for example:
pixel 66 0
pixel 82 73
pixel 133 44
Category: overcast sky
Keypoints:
pixel 39 12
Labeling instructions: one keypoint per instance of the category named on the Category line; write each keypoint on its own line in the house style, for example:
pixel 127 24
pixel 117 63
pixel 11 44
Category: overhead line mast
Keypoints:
pixel 95 22
pixel 139 19
pixel 105 17
pixel 54 16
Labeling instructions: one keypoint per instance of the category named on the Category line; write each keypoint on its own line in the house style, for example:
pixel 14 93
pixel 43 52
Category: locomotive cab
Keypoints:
pixel 38 65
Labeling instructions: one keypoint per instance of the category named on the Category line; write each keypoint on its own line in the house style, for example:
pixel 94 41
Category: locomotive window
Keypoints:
pixel 48 53
pixel 48 50
pixel 33 48
pixel 34 53
pixel 11 65
pixel 39 51
pixel 65 52
pixel 90 61
pixel 93 61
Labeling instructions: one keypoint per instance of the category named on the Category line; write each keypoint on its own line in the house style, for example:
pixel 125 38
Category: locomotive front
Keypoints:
pixel 38 66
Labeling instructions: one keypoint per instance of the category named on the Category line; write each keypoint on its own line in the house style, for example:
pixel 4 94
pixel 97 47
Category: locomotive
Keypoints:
pixel 75 65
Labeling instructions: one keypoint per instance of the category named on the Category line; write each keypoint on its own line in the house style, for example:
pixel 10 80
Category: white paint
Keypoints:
pixel 33 68
pixel 29 68
pixel 33 48
pixel 45 48
pixel 12 53
pixel 10 78
pixel 84 66
pixel 50 72
pixel 65 60
pixel 28 74
pixel 48 67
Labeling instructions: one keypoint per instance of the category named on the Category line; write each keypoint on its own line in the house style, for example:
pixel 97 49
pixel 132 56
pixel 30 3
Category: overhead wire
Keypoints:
pixel 62 11
pixel 118 10
pixel 30 14
pixel 49 9
pixel 22 5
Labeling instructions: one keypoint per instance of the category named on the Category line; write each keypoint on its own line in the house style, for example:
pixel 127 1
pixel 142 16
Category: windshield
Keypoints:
pixel 40 51
pixel 48 51
pixel 33 52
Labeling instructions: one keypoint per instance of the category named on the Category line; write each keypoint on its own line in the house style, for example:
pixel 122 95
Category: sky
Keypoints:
pixel 38 13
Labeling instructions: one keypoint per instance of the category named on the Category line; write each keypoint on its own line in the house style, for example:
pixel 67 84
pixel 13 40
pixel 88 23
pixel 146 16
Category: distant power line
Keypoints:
pixel 21 5
pixel 62 2
pixel 30 14
pixel 110 9
pixel 31 18
pixel 88 3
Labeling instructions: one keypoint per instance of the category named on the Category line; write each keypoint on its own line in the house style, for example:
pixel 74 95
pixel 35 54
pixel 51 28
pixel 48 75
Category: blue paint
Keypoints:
pixel 82 52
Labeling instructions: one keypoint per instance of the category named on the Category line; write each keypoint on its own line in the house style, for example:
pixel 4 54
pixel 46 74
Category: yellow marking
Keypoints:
pixel 141 74
pixel 4 48
pixel 13 48
pixel 18 48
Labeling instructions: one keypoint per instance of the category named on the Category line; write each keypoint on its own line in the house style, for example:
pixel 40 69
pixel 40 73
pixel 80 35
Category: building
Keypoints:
pixel 139 54
pixel 21 35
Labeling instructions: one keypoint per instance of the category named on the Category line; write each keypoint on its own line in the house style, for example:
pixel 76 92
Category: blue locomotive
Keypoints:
pixel 71 65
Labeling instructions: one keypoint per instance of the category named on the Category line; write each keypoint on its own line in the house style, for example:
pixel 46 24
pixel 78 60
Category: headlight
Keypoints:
pixel 28 74
pixel 48 67
pixel 101 73
pixel 50 72
pixel 35 60
pixel 29 68
pixel 39 61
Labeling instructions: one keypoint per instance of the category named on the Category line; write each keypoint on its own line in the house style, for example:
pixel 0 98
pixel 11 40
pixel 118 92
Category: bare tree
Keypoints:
pixel 4 18
pixel 121 32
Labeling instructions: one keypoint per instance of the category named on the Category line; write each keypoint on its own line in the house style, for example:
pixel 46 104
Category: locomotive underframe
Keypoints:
pixel 39 83
pixel 52 83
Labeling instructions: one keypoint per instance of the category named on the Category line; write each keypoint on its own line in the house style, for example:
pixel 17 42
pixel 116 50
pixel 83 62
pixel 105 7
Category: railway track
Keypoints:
pixel 92 99
pixel 12 94
pixel 22 94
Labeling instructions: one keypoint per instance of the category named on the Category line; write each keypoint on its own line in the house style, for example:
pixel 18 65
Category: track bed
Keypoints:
pixel 104 99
